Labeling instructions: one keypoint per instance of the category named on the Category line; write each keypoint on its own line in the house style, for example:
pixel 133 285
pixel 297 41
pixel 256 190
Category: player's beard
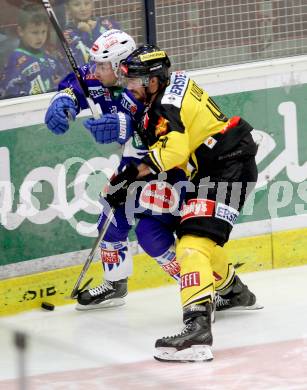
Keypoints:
pixel 139 94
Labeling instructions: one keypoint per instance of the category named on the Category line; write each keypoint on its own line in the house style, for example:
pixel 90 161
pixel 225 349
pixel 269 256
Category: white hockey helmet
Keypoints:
pixel 112 46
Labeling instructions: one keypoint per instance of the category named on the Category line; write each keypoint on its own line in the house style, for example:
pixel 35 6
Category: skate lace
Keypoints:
pixel 220 301
pixel 105 287
pixel 184 331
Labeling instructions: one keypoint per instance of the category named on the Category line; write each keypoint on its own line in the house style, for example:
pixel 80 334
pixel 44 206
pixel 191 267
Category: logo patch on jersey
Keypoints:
pixel 36 87
pixel 128 104
pixel 210 142
pixel 190 279
pixel 31 69
pixel 109 257
pixel 178 84
pixel 21 60
pixel 100 91
pixel 69 92
pixel 137 141
pixel 197 208
pixel 161 126
pixel 226 213
pixel 174 93
pixel 159 197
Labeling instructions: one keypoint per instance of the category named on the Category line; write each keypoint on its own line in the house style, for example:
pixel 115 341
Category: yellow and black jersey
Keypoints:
pixel 180 120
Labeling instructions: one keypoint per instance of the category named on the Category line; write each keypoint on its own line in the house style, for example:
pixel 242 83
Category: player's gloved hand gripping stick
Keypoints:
pixel 116 196
pixel 54 21
pixel 106 129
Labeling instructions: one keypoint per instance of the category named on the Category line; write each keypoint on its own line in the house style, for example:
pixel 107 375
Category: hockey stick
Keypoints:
pixel 90 257
pixel 55 23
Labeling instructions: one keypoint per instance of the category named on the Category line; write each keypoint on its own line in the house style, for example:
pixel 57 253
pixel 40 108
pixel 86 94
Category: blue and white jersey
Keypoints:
pixel 111 100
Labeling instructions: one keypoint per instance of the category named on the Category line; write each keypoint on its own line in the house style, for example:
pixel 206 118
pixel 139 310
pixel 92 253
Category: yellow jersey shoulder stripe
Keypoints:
pixel 155 160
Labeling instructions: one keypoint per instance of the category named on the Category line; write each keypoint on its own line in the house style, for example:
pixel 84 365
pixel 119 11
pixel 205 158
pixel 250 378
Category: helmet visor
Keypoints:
pixel 131 82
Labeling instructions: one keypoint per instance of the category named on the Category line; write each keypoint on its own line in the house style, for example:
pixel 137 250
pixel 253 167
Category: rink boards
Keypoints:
pixel 48 213
pixel 248 254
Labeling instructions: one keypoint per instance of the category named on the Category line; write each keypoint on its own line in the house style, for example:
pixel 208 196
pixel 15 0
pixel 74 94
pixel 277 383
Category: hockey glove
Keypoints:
pixel 110 128
pixel 61 109
pixel 117 192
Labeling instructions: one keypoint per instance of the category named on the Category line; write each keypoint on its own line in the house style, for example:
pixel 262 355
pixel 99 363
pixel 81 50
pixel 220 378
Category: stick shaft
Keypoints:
pixel 71 59
pixel 92 253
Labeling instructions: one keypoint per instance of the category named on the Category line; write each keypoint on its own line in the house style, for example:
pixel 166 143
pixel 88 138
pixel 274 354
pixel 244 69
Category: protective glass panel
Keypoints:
pixel 32 60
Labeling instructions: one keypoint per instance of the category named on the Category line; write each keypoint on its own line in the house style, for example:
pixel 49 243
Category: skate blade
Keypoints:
pixel 103 305
pixel 213 316
pixel 196 353
pixel 256 306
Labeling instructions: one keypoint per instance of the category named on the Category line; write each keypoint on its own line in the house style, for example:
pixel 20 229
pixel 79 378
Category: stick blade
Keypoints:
pixel 76 290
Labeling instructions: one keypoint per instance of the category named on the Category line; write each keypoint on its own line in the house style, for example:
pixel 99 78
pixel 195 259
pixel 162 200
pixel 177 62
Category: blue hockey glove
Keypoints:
pixel 61 109
pixel 117 192
pixel 110 128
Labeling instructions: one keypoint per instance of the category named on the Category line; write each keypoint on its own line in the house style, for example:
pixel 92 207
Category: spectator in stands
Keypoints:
pixel 30 69
pixel 59 9
pixel 83 28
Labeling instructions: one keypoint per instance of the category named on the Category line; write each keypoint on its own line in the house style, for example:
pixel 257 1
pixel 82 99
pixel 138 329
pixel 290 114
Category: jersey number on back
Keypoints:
pixel 215 110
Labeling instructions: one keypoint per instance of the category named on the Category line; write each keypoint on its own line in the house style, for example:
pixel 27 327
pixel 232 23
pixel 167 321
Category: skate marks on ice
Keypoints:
pixel 273 366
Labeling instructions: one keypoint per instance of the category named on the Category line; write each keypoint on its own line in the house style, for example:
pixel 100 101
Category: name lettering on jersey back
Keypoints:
pixel 196 91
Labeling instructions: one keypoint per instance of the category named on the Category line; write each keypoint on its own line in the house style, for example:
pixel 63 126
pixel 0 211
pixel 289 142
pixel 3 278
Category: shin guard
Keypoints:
pixel 116 260
pixel 197 282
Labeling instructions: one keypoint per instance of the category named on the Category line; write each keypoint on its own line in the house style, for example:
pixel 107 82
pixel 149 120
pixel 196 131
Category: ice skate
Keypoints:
pixel 109 294
pixel 193 344
pixel 237 297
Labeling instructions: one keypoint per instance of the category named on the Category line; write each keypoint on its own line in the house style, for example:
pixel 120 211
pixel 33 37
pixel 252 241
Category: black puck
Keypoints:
pixel 47 306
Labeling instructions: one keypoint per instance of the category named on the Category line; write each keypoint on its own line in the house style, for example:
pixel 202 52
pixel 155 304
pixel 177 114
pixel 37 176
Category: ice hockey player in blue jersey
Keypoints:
pixel 30 69
pixel 84 28
pixel 120 111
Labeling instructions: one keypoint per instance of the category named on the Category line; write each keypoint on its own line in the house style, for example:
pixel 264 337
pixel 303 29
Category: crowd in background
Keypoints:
pixel 33 61
pixel 196 34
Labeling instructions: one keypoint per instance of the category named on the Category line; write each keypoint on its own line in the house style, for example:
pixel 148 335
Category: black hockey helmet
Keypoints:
pixel 145 62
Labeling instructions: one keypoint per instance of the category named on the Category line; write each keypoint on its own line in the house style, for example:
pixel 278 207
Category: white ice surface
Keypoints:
pixel 112 348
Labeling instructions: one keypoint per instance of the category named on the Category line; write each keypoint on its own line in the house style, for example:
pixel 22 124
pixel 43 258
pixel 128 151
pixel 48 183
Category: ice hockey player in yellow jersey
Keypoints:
pixel 183 127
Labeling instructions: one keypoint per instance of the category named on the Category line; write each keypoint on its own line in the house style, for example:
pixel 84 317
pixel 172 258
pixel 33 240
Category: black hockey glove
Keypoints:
pixel 117 192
